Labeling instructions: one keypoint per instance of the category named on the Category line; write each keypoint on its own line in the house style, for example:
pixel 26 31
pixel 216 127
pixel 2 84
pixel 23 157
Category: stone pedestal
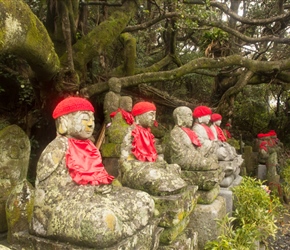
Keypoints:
pixel 203 220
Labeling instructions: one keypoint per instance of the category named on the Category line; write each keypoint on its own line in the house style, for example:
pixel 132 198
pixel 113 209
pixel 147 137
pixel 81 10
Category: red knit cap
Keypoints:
pixel 142 107
pixel 261 135
pixel 201 111
pixel 216 117
pixel 70 105
pixel 228 125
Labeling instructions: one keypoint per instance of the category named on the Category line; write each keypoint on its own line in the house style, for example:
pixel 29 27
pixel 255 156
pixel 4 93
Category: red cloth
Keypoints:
pixel 263 145
pixel 201 111
pixel 209 132
pixel 143 144
pixel 127 116
pixel 84 163
pixel 220 134
pixel 70 105
pixel 142 107
pixel 192 135
pixel 228 134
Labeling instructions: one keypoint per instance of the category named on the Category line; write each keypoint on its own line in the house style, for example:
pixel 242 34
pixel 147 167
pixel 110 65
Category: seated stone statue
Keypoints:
pixel 183 148
pixel 210 144
pixel 184 145
pixel 229 160
pixel 141 167
pixel 76 200
pixel 219 135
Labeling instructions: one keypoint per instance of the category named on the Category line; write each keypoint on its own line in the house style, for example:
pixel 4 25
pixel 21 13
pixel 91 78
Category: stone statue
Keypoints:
pixel 229 160
pixel 210 144
pixel 112 98
pixel 183 148
pixel 76 200
pixel 141 167
pixel 219 135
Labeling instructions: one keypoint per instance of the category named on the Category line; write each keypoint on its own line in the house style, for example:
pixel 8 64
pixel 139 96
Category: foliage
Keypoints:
pixel 285 176
pixel 253 220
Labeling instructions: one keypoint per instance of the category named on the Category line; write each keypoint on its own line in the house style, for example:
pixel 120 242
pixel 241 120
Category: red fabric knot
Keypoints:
pixel 127 116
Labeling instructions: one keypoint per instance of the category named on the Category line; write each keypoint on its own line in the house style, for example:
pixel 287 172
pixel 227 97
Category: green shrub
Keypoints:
pixel 253 219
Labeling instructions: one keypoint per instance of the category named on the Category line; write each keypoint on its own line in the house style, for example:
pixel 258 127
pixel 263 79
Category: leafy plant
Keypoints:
pixel 253 219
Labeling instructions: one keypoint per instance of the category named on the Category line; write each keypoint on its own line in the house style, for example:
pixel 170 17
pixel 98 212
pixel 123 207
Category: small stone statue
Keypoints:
pixel 76 200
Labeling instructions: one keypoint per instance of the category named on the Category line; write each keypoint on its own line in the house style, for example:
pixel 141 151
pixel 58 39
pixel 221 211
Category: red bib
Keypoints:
pixel 143 144
pixel 84 163
pixel 192 135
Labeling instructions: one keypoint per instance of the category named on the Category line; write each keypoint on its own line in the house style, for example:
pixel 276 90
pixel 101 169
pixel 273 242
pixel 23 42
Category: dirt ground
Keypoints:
pixel 282 239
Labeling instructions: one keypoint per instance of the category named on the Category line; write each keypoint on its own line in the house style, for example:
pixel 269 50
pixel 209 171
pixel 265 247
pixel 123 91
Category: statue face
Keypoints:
pixel 204 119
pixel 147 119
pixel 82 124
pixel 185 117
pixel 218 123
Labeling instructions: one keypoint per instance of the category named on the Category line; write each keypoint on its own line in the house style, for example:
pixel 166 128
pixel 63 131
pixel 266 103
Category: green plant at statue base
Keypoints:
pixel 254 218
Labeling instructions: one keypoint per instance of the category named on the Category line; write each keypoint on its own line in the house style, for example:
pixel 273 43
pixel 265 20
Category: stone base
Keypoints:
pixel 203 220
pixel 147 238
pixel 262 172
pixel 228 196
pixel 173 209
pixel 188 240
pixel 207 197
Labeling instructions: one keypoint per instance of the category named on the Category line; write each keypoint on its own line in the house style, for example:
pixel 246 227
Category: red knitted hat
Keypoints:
pixel 72 104
pixel 142 107
pixel 228 125
pixel 261 135
pixel 272 133
pixel 201 111
pixel 216 117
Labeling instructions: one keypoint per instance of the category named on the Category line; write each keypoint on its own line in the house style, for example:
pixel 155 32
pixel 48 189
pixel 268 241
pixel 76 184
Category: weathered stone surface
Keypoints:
pixel 146 238
pixel 111 150
pixel 19 207
pixel 14 160
pixel 204 220
pixel 207 197
pixel 205 180
pixel 188 240
pixel 118 129
pixel 156 178
pixel 174 208
pixel 84 215
pixel 169 235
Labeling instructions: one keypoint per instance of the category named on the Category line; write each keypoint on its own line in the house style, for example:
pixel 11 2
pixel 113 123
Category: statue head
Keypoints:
pixel 216 119
pixel 202 114
pixel 183 116
pixel 144 114
pixel 126 103
pixel 74 117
